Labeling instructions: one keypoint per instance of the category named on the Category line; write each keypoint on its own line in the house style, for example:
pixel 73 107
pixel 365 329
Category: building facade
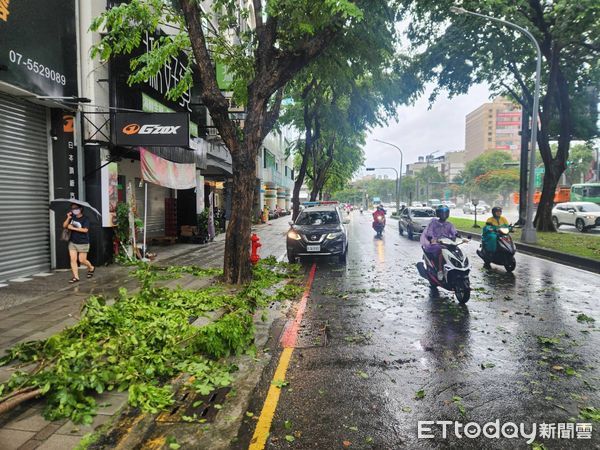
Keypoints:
pixel 493 126
pixel 40 159
pixel 425 161
pixel 454 164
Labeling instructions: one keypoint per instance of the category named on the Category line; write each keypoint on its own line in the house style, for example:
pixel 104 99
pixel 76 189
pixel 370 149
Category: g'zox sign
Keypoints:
pixel 159 129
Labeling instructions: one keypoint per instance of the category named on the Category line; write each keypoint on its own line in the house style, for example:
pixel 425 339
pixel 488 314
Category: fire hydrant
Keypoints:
pixel 255 246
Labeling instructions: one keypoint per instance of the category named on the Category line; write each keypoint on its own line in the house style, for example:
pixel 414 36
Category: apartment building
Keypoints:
pixel 493 126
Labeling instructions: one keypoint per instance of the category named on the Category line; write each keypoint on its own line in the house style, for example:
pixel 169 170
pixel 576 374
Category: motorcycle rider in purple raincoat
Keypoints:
pixel 437 229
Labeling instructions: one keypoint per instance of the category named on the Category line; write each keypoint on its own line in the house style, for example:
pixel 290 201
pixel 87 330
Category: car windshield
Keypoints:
pixel 423 213
pixel 318 218
pixel 592 207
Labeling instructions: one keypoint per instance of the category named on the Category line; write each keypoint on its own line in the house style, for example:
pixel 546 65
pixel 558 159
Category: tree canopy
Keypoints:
pixel 456 51
pixel 263 44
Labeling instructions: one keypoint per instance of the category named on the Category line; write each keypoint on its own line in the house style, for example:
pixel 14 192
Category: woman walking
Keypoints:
pixel 79 241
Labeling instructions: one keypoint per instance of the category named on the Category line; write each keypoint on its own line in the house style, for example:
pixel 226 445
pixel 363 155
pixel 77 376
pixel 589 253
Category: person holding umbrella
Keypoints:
pixel 79 241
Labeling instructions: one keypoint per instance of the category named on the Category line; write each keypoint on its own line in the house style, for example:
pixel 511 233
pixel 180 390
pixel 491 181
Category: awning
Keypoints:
pixel 197 153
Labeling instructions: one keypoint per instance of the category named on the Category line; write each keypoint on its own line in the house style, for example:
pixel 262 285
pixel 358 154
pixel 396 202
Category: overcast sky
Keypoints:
pixel 420 131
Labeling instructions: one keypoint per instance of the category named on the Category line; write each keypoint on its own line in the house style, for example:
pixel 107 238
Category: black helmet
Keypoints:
pixel 496 209
pixel 442 212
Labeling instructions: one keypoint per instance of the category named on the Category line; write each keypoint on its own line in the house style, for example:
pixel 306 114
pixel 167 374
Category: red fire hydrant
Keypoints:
pixel 255 246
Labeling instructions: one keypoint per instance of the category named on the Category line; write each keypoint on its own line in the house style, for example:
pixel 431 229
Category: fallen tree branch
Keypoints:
pixel 17 399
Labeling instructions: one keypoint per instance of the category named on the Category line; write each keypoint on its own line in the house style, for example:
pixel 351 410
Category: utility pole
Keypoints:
pixel 523 166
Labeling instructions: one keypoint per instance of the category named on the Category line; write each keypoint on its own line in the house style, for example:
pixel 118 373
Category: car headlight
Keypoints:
pixel 293 235
pixel 590 217
pixel 333 235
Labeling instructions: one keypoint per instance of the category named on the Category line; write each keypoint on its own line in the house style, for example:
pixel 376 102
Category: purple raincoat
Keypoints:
pixel 436 230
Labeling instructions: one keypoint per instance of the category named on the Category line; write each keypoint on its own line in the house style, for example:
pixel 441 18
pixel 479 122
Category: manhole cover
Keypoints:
pixel 200 407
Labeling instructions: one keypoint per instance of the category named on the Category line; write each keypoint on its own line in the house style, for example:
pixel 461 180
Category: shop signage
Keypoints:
pixel 49 69
pixel 151 129
pixel 64 155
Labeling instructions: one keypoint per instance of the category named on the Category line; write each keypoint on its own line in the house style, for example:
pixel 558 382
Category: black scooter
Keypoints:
pixel 505 250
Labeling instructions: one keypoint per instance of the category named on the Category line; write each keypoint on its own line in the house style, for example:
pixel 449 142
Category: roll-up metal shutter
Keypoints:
pixel 24 196
pixel 156 208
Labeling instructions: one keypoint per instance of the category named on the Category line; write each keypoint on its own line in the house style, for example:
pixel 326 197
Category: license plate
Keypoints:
pixel 313 248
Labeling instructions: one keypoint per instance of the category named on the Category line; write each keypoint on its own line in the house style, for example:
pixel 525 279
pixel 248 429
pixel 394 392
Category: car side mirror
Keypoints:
pixel 572 211
pixel 346 221
pixel 291 224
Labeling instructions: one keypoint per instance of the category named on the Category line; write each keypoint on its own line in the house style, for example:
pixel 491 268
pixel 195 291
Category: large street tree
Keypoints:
pixel 284 36
pixel 498 182
pixel 457 51
pixel 353 85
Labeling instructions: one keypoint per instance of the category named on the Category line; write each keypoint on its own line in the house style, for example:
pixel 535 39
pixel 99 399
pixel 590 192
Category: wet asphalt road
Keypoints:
pixel 374 335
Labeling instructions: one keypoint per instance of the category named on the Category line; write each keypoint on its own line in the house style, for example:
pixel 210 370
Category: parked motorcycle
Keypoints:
pixel 456 268
pixel 379 225
pixel 505 250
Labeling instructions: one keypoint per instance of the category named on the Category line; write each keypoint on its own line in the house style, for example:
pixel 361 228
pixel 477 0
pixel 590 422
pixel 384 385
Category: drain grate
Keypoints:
pixel 313 334
pixel 190 404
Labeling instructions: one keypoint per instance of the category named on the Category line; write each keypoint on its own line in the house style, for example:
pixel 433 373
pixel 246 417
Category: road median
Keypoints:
pixel 573 250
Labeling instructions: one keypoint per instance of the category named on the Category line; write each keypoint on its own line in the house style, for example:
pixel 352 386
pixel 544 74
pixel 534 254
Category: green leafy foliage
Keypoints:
pixel 143 340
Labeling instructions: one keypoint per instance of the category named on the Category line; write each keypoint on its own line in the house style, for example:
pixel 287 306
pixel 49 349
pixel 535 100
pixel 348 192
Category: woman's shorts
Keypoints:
pixel 79 248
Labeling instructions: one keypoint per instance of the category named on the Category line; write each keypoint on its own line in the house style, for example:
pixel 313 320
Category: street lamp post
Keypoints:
pixel 529 235
pixel 399 184
pixel 369 169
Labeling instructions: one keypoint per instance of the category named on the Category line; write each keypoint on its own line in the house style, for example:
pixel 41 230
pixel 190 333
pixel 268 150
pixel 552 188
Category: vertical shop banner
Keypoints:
pixel 199 193
pixel 166 173
pixel 110 194
pixel 64 155
pixel 211 216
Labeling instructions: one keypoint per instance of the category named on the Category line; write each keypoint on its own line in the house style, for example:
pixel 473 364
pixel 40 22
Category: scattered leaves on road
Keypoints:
pixel 280 383
pixel 582 318
pixel 458 402
pixel 420 394
pixel 590 413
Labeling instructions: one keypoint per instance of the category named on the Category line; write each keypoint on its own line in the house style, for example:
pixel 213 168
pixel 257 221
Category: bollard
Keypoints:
pixel 255 246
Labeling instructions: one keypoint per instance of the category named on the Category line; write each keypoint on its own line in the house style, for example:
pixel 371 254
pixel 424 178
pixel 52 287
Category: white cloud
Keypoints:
pixel 420 131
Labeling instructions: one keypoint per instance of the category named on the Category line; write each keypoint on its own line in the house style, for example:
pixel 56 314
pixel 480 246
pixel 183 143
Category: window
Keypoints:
pixel 423 213
pixel 318 218
pixel 592 207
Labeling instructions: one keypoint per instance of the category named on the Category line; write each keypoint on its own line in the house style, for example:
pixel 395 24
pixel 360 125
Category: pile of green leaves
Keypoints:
pixel 143 340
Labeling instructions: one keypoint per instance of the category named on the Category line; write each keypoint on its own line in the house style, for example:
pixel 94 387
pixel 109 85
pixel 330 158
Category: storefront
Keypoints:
pixel 38 155
pixel 168 209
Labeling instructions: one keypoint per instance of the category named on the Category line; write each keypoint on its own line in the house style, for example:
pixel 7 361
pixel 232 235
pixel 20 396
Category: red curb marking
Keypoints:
pixel 290 334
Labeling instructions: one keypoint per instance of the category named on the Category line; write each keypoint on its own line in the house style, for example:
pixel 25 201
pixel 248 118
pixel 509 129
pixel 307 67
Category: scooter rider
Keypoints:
pixel 490 230
pixel 497 219
pixel 438 228
pixel 379 212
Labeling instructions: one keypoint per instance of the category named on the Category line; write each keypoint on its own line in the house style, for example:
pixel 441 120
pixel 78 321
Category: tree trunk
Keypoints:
pixel 298 183
pixel 236 265
pixel 543 219
pixel 557 99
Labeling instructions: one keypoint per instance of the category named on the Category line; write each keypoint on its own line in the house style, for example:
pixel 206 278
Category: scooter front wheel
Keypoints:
pixel 511 265
pixel 462 291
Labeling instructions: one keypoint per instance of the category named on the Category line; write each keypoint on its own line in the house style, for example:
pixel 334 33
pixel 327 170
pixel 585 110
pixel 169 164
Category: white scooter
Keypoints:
pixel 456 268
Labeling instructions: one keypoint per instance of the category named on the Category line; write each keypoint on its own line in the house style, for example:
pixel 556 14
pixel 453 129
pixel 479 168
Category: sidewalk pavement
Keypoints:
pixel 40 306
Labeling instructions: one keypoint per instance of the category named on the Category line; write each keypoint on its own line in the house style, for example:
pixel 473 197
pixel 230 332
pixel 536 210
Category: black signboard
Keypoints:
pixel 38 46
pixel 151 129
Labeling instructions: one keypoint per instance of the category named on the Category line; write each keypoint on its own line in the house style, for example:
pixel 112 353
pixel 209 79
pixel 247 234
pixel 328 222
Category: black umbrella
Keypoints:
pixel 59 203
